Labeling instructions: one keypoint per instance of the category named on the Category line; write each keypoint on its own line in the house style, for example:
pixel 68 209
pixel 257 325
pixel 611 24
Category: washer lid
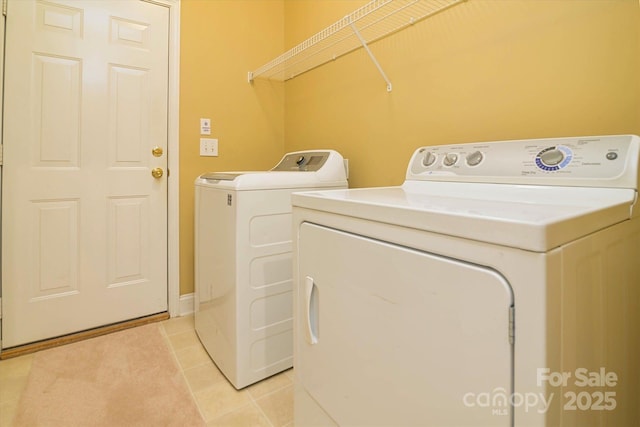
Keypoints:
pixel 269 180
pixel 299 169
pixel 535 218
pixel 220 176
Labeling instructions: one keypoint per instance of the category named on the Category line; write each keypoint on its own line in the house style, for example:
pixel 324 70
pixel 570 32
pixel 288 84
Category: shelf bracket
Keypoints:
pixel 373 58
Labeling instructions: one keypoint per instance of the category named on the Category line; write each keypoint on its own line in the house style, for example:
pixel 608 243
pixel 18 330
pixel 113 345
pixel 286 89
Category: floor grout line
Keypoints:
pixel 266 417
pixel 184 377
pixel 253 401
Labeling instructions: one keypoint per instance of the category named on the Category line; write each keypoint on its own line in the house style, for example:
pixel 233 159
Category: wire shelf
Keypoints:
pixel 371 22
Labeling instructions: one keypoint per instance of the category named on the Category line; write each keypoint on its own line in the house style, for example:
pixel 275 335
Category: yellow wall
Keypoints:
pixel 222 40
pixel 483 70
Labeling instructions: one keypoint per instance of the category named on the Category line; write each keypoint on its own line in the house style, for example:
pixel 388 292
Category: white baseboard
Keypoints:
pixel 186 304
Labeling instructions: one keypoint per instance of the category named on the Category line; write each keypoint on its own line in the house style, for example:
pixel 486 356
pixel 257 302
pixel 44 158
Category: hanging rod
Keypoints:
pixel 371 22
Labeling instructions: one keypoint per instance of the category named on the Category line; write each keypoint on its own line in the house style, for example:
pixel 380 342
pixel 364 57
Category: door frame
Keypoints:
pixel 173 196
pixel 173 173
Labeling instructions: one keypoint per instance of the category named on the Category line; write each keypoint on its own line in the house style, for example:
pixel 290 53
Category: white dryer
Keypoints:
pixel 243 295
pixel 498 286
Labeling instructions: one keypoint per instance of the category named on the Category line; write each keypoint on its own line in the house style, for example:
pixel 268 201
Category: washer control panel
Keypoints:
pixel 555 161
pixel 302 161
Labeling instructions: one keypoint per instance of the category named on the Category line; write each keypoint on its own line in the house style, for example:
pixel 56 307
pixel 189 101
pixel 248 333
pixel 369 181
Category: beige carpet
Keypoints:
pixel 127 378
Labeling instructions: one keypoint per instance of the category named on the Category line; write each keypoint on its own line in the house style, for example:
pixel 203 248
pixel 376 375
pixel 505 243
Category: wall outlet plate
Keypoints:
pixel 208 147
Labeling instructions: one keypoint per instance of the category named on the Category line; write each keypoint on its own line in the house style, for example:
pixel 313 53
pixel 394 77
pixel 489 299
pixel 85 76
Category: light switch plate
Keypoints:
pixel 208 147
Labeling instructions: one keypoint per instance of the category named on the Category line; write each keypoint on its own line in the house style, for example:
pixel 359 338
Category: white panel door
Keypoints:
pixel 391 336
pixel 84 222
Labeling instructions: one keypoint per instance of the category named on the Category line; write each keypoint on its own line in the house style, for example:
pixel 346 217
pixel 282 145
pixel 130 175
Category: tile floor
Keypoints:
pixel 268 403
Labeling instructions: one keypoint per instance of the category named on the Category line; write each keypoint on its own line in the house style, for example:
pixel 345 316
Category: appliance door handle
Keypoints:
pixel 311 308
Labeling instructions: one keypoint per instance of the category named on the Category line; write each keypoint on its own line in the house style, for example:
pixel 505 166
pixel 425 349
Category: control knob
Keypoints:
pixel 450 159
pixel 474 159
pixel 552 157
pixel 428 159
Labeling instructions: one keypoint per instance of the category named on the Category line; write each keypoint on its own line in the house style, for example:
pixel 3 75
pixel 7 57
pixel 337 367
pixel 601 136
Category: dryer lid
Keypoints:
pixel 535 218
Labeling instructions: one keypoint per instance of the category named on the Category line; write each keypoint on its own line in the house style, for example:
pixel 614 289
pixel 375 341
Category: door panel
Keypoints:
pixel 388 335
pixel 84 227
pixel 56 102
pixel 55 226
pixel 128 241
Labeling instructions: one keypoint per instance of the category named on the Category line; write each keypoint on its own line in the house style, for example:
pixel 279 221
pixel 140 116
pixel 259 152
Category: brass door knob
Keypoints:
pixel 157 151
pixel 157 173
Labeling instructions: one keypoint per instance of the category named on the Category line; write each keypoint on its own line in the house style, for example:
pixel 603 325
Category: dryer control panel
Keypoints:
pixel 598 161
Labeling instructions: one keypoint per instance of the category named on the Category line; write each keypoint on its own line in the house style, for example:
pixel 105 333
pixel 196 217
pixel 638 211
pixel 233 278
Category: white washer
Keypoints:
pixel 243 295
pixel 498 286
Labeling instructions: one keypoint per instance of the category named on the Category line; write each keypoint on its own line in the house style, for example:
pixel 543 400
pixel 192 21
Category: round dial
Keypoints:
pixel 474 159
pixel 554 158
pixel 428 159
pixel 450 159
